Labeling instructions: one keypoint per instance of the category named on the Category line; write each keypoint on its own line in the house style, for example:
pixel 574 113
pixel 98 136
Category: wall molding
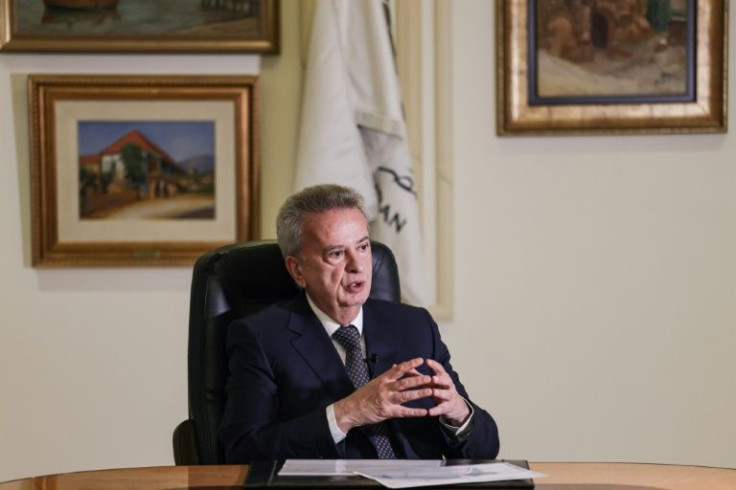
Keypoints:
pixel 423 50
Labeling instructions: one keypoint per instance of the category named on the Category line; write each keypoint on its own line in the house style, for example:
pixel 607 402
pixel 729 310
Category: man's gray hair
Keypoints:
pixel 311 200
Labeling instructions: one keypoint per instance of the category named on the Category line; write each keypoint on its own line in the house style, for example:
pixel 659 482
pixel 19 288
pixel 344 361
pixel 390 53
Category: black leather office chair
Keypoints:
pixel 228 283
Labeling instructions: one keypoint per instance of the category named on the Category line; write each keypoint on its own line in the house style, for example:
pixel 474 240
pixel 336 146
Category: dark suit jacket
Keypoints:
pixel 285 370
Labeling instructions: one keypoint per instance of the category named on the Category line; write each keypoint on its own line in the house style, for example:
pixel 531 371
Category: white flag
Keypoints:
pixel 353 131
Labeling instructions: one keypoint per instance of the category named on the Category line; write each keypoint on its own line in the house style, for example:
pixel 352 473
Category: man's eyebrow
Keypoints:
pixel 330 248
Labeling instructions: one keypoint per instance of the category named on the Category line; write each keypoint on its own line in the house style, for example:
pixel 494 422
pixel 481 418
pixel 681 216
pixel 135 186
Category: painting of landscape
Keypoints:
pixel 222 19
pixel 613 47
pixel 146 170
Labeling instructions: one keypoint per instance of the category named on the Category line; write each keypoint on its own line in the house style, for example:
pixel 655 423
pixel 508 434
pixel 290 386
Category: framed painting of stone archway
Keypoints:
pixel 611 66
pixel 141 170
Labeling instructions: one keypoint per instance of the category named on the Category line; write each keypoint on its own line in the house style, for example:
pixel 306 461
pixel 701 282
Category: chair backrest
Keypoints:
pixel 229 283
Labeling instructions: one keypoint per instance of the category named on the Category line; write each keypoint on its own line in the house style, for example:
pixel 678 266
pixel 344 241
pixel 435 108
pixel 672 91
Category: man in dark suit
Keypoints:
pixel 299 371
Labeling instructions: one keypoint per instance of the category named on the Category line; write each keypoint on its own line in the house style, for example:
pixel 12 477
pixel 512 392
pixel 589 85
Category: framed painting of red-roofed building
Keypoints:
pixel 141 170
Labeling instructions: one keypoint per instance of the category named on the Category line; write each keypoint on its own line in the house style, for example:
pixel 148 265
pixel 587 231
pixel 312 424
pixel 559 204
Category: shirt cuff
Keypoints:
pixel 458 432
pixel 337 434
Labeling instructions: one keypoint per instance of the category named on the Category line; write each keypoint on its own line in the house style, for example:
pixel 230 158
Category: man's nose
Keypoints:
pixel 353 263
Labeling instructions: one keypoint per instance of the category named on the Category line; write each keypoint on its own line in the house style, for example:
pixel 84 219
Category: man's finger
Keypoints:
pixel 442 394
pixel 440 409
pixel 440 378
pixel 412 382
pixel 399 370
pixel 435 366
pixel 442 383
pixel 414 372
pixel 410 395
pixel 411 412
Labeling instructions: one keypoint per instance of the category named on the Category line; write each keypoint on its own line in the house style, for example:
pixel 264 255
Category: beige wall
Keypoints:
pixel 595 280
pixel 93 362
pixel 594 285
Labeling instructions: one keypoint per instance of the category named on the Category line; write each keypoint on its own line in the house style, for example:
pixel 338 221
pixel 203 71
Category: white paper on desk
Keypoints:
pixel 346 467
pixel 402 473
pixel 445 475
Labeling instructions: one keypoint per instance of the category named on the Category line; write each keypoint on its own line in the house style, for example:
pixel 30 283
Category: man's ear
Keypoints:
pixel 295 270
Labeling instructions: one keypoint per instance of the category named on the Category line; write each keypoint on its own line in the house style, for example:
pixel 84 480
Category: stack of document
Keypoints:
pixel 409 473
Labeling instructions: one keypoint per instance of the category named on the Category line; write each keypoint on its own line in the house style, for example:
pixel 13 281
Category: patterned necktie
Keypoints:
pixel 357 369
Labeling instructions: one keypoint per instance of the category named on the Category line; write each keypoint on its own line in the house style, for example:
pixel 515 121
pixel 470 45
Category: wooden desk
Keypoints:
pixel 562 476
pixel 631 476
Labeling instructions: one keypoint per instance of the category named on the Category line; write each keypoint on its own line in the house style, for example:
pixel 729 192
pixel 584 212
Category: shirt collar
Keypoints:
pixel 331 325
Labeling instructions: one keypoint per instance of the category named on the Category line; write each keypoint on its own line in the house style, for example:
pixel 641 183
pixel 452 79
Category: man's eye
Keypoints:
pixel 365 246
pixel 336 254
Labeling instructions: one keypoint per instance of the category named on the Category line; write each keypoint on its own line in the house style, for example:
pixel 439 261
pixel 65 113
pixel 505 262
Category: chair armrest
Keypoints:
pixel 185 446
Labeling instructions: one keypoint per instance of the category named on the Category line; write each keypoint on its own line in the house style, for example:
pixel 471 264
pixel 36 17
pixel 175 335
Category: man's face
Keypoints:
pixel 335 262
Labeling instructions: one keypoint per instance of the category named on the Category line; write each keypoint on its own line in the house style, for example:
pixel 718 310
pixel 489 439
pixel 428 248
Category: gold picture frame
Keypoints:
pixel 141 170
pixel 124 26
pixel 700 108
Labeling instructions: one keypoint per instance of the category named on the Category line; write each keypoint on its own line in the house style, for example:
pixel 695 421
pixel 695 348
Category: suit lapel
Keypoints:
pixel 316 348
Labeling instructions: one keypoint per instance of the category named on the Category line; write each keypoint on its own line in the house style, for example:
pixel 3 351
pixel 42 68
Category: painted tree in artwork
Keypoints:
pixel 135 168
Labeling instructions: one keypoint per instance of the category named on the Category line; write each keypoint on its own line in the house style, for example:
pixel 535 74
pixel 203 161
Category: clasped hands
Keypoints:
pixel 383 397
